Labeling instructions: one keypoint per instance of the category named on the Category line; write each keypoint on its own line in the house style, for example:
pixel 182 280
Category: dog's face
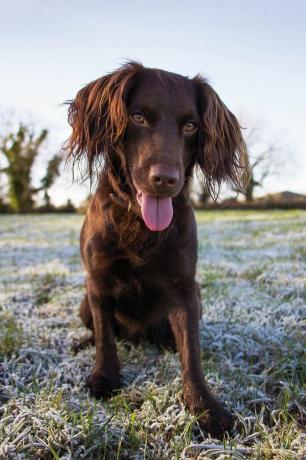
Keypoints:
pixel 153 126
pixel 160 140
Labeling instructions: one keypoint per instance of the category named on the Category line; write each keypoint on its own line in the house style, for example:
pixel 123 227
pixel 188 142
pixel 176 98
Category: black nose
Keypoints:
pixel 163 177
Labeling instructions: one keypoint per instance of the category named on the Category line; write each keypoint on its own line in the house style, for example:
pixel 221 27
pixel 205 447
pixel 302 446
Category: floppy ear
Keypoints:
pixel 98 117
pixel 222 154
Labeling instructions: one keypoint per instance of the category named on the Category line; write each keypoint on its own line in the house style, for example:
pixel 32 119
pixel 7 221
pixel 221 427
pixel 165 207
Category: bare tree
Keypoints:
pixel 266 158
pixel 19 148
pixel 200 196
pixel 53 171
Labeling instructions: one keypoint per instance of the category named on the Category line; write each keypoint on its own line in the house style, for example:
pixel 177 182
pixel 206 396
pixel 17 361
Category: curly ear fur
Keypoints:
pixel 222 154
pixel 98 117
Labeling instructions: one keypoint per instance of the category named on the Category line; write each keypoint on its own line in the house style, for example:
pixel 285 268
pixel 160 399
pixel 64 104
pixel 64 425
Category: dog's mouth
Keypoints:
pixel 157 212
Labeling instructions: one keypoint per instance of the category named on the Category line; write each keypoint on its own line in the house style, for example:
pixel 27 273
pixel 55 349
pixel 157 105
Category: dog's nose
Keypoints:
pixel 164 177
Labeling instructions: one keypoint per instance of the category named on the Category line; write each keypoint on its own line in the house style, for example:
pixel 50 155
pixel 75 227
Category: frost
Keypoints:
pixel 252 272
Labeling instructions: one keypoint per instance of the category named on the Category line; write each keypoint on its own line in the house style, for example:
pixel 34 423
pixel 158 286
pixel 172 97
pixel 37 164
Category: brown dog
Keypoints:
pixel 143 130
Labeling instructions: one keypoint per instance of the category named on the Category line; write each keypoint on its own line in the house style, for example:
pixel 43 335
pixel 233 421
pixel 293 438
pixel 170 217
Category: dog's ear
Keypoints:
pixel 222 153
pixel 98 116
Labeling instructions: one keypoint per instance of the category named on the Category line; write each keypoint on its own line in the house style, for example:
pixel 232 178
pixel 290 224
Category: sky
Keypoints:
pixel 252 52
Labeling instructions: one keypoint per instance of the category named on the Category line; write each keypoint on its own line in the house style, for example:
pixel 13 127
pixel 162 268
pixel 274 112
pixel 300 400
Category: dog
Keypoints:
pixel 142 131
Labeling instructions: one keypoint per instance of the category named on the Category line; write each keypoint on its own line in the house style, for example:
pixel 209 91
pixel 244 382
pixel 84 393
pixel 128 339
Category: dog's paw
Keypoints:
pixel 217 422
pixel 212 416
pixel 82 343
pixel 101 386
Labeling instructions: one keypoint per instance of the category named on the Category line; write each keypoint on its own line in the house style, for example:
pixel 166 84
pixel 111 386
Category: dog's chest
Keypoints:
pixel 142 290
pixel 144 297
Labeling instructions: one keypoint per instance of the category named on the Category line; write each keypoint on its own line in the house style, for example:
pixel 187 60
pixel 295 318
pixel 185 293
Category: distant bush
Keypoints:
pixel 82 209
pixel 68 207
pixel 283 200
pixel 4 207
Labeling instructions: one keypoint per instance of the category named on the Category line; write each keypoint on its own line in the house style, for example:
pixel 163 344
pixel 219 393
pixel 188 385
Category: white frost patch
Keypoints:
pixel 252 271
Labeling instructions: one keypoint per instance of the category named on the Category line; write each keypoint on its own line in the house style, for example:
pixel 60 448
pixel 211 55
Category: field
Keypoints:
pixel 252 269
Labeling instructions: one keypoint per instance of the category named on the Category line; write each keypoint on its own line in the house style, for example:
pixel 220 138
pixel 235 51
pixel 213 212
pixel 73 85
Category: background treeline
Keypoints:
pixel 19 149
pixel 21 146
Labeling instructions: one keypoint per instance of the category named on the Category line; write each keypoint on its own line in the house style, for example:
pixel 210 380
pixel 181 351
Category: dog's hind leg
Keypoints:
pixel 85 313
pixel 86 317
pixel 161 335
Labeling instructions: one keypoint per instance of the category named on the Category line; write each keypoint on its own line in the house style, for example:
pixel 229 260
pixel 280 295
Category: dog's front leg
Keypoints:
pixel 184 321
pixel 105 377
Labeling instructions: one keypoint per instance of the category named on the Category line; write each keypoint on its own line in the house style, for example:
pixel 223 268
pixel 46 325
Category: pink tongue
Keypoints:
pixel 156 212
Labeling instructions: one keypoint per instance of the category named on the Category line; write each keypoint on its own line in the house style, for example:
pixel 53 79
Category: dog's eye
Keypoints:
pixel 139 118
pixel 190 127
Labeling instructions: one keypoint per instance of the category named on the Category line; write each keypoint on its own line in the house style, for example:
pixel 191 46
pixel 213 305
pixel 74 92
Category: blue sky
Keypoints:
pixel 252 52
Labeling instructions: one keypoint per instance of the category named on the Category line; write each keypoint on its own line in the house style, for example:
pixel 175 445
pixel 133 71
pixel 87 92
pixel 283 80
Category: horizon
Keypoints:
pixel 252 54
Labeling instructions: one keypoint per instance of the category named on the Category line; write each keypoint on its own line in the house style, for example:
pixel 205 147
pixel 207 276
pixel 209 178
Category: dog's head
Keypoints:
pixel 151 127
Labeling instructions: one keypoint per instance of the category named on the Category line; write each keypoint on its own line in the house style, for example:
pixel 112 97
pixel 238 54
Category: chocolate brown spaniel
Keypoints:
pixel 142 131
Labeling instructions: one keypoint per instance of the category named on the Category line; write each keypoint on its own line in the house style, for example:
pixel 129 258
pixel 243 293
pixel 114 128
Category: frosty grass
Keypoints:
pixel 252 269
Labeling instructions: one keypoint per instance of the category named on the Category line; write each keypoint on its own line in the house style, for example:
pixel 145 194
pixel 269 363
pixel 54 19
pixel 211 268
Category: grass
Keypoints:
pixel 252 272
pixel 11 334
